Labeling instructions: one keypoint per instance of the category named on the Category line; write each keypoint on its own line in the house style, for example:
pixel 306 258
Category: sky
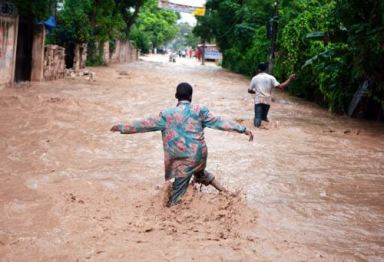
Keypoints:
pixel 190 19
pixel 187 18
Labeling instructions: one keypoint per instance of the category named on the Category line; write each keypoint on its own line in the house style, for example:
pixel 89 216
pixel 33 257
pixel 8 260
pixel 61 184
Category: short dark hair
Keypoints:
pixel 262 66
pixel 184 91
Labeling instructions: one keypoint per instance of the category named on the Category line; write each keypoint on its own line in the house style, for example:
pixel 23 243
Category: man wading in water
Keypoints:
pixel 261 86
pixel 185 151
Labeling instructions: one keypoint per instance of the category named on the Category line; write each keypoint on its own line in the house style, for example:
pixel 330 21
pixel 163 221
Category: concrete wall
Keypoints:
pixel 8 43
pixel 54 62
pixel 106 54
pixel 37 73
pixel 80 57
pixel 124 52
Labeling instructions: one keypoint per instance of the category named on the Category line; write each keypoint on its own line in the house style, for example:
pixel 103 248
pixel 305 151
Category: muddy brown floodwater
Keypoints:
pixel 311 188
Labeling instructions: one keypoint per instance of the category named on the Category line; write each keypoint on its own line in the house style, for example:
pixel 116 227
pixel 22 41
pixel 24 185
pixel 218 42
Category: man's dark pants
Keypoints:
pixel 261 113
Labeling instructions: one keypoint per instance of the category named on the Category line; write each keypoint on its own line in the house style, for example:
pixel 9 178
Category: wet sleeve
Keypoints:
pixel 220 123
pixel 141 126
pixel 252 86
pixel 275 83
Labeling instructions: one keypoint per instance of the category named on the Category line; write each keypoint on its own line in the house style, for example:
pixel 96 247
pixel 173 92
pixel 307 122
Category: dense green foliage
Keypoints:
pixel 98 21
pixel 74 23
pixel 364 21
pixel 239 29
pixel 153 27
pixel 38 9
pixel 89 21
pixel 320 78
pixel 348 48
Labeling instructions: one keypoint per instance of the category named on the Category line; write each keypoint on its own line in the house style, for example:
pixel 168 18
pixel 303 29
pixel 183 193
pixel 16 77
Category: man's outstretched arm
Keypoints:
pixel 286 83
pixel 221 123
pixel 140 126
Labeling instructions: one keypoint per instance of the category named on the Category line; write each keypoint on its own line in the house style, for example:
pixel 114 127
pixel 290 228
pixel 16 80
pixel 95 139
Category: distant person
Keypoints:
pixel 198 53
pixel 185 151
pixel 261 85
pixel 172 56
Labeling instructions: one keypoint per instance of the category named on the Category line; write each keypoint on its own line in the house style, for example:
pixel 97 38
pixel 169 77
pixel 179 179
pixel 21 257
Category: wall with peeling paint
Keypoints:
pixel 8 43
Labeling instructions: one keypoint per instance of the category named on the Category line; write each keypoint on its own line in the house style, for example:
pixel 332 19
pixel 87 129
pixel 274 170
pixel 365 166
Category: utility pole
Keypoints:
pixel 203 53
pixel 273 37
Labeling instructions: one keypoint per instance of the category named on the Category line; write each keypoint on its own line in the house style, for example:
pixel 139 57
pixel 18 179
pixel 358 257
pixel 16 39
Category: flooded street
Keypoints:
pixel 310 188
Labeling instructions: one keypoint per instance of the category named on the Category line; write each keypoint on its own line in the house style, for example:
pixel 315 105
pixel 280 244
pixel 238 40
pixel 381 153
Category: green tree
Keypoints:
pixel 294 49
pixel 364 23
pixel 347 50
pixel 129 10
pixel 153 27
pixel 93 22
pixel 184 37
pixel 106 20
pixel 107 25
pixel 74 25
pixel 239 29
pixel 38 9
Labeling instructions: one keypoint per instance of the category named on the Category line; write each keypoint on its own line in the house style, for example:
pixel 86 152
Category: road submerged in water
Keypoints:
pixel 310 188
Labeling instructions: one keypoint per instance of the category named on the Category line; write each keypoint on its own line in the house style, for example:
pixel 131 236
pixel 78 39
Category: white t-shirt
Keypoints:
pixel 262 84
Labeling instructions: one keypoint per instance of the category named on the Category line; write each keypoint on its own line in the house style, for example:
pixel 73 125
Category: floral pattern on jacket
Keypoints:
pixel 182 130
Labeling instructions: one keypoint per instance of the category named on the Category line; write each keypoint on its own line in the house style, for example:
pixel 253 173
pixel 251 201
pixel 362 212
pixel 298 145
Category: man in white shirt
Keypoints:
pixel 261 86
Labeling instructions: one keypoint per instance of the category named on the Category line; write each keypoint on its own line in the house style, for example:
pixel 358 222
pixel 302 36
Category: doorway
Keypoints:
pixel 24 50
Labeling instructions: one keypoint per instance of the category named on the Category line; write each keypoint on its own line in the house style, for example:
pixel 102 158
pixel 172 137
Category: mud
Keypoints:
pixel 308 189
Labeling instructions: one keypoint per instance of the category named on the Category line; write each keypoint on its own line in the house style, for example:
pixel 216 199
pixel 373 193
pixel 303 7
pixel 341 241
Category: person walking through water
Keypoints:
pixel 261 85
pixel 185 151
